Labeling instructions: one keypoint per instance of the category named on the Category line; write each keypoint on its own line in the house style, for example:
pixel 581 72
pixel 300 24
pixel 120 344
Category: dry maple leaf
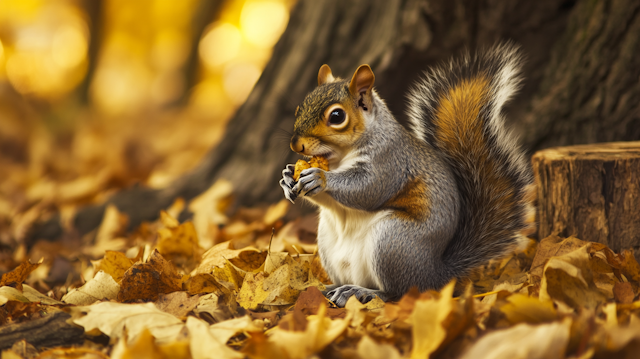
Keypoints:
pixel 19 274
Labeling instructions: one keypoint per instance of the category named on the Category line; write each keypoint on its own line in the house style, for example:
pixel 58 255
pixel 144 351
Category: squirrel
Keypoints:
pixel 419 207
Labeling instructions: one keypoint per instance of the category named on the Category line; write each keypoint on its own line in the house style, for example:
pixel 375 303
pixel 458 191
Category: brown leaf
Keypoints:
pixel 630 267
pixel 146 281
pixel 177 303
pixel 309 303
pixel 623 292
pixel 569 279
pixel 18 275
pixel 14 311
pixel 553 246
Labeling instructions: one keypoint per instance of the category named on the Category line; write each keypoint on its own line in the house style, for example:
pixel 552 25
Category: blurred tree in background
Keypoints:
pixel 97 96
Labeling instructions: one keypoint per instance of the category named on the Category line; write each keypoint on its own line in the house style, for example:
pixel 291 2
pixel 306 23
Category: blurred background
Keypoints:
pixel 98 95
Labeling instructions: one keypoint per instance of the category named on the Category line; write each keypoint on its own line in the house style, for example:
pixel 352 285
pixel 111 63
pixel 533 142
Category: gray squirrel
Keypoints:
pixel 402 208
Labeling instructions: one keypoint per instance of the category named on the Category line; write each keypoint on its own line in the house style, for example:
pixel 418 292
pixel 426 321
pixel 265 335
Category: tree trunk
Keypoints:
pixel 591 192
pixel 576 52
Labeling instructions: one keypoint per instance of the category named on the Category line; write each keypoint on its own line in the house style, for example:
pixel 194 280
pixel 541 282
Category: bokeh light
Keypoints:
pixel 220 44
pixel 69 46
pixel 45 48
pixel 263 22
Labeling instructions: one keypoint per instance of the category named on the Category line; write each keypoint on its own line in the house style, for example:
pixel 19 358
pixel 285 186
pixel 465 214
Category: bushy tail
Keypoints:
pixel 458 109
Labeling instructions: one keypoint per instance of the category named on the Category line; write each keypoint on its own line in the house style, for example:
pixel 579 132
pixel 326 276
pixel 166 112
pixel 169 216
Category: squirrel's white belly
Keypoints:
pixel 346 241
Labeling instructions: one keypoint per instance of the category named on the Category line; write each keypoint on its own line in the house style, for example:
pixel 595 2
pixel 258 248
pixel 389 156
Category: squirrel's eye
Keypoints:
pixel 337 116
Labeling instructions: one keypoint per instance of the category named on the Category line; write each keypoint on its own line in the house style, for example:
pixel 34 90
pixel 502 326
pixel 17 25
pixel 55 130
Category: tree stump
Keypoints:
pixel 591 192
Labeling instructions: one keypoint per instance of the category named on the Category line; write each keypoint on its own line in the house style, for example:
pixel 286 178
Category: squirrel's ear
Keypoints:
pixel 325 75
pixel 362 80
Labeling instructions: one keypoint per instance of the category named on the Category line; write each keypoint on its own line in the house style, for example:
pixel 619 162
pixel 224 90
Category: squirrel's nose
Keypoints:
pixel 296 144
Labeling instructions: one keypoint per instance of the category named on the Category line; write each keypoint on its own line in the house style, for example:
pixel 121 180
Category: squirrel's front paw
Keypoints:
pixel 312 181
pixel 287 183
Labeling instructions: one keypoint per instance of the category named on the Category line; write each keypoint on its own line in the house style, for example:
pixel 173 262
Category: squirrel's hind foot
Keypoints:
pixel 341 294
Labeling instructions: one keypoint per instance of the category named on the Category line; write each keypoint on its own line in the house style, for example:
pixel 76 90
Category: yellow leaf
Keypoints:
pixel 427 318
pixel 223 331
pixel 113 263
pixel 247 259
pixel 368 348
pixel 118 320
pixel 320 332
pixel 524 341
pixel 179 241
pixel 521 308
pixel 204 344
pixel 208 211
pixel 113 225
pixel 275 212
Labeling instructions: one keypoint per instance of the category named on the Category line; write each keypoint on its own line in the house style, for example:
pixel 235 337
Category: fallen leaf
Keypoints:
pixel 275 212
pixel 15 277
pixel 225 330
pixel 617 341
pixel 145 346
pixel 114 225
pixel 521 308
pixel 320 332
pixel 568 279
pixel 114 263
pixel 206 345
pixel 101 287
pixel 208 211
pixel 629 266
pixel 553 246
pixel 218 307
pixel 248 259
pixel 24 349
pixel 72 353
pixel 147 280
pixel 118 320
pixel 368 348
pixel 281 287
pixel 177 303
pixel 426 320
pixel 623 292
pixel 179 243
pixel 28 294
pixel 13 311
pixel 544 341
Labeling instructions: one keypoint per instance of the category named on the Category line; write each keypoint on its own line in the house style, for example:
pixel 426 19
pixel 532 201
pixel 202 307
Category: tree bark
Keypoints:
pixel 591 192
pixel 581 81
pixel 50 331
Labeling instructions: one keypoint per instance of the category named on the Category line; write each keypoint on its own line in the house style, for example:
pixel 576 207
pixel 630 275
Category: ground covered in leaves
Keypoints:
pixel 248 285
